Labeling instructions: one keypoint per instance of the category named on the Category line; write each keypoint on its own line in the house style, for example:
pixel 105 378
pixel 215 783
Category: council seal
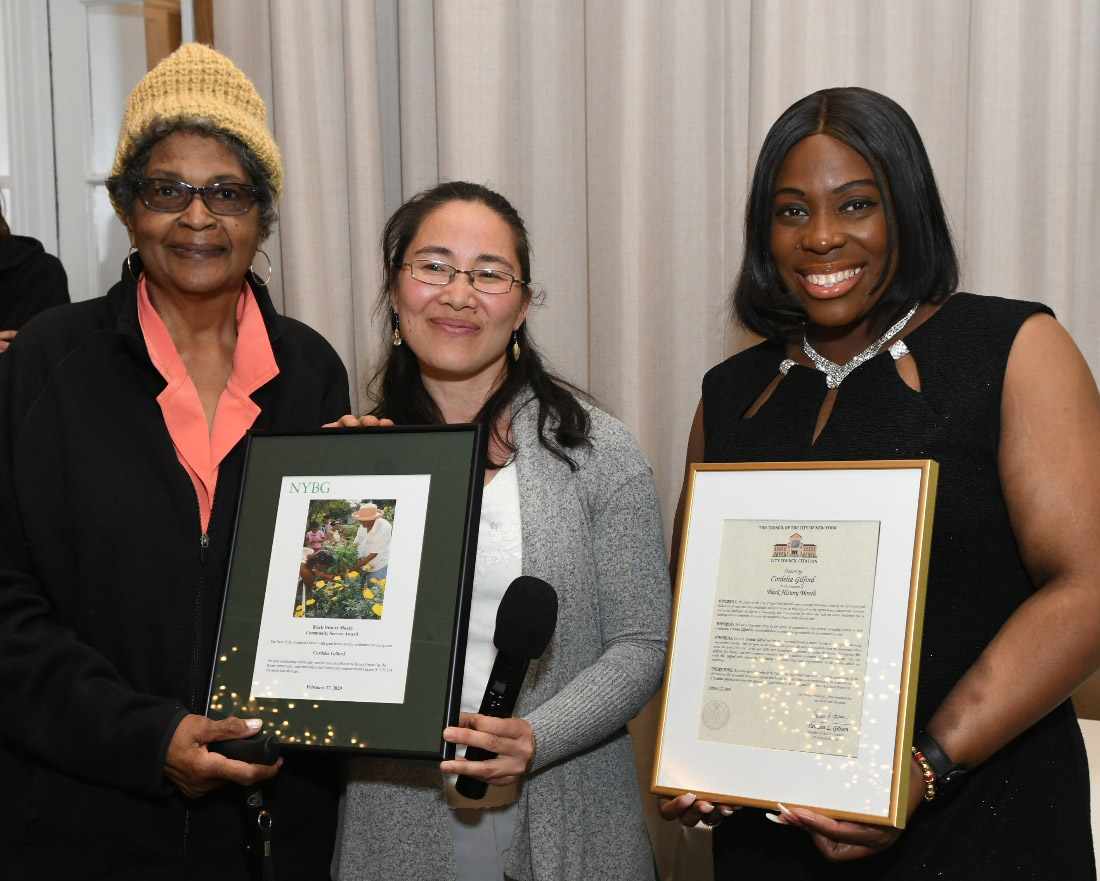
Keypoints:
pixel 716 714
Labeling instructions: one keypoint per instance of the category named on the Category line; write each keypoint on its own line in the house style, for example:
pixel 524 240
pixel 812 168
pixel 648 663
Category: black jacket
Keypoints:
pixel 30 281
pixel 108 614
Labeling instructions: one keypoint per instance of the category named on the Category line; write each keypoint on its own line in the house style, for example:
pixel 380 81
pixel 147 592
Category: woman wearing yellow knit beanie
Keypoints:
pixel 132 410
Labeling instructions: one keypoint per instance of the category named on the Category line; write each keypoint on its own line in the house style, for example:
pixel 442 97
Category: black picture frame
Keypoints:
pixel 276 663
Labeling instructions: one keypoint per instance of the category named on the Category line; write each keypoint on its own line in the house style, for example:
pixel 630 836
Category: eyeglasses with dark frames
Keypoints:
pixel 488 281
pixel 173 196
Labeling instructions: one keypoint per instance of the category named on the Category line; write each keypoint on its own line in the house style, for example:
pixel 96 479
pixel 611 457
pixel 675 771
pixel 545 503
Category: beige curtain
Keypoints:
pixel 625 132
pixel 316 66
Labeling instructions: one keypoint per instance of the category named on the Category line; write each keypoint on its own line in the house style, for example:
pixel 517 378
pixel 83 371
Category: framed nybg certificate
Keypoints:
pixel 796 636
pixel 345 612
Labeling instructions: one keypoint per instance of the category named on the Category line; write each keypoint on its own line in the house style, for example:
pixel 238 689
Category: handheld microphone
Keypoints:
pixel 254 750
pixel 526 618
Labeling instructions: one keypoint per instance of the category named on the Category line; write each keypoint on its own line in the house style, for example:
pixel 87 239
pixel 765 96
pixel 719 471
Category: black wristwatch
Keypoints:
pixel 948 774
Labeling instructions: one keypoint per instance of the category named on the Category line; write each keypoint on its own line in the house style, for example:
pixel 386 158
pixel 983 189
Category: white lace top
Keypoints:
pixel 499 561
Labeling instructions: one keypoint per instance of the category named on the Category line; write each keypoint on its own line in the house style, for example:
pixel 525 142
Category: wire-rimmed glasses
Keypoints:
pixel 488 281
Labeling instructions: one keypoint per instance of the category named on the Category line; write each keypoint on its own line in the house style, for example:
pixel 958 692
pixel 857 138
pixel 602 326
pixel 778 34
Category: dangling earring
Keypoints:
pixel 515 345
pixel 129 265
pixel 270 269
pixel 396 329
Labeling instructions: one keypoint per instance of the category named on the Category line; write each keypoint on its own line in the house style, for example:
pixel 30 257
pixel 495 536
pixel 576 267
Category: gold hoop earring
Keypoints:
pixel 396 330
pixel 270 269
pixel 129 265
pixel 515 345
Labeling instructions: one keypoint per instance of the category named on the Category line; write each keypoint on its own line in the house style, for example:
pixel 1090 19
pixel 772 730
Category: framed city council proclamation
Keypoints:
pixel 796 636
pixel 345 611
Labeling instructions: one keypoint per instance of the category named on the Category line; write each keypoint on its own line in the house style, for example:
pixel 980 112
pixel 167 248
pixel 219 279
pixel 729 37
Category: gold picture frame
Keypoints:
pixel 795 645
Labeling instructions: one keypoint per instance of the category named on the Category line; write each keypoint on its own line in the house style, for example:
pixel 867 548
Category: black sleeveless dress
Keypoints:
pixel 1025 812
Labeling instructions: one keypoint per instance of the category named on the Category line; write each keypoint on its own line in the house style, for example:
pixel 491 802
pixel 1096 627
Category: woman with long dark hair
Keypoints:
pixel 568 498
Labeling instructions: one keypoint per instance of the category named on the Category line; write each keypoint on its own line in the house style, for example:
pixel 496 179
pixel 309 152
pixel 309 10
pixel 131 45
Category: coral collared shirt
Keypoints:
pixel 201 451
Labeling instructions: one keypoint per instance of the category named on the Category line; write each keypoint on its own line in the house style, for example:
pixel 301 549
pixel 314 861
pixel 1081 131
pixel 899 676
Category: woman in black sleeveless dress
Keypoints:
pixel 849 274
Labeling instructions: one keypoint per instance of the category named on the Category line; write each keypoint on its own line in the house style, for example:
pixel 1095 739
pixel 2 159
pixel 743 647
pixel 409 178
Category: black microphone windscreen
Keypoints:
pixel 526 618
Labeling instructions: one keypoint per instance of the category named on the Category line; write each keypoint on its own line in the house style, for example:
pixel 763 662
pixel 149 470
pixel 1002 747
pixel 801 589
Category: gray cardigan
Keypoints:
pixel 595 535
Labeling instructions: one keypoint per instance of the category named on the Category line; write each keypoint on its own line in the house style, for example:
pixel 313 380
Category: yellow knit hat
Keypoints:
pixel 196 82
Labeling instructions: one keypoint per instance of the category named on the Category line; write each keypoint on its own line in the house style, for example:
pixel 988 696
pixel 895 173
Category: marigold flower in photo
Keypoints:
pixel 310 602
pixel 338 578
pixel 368 594
pixel 353 575
pixel 300 613
pixel 377 609
pixel 319 584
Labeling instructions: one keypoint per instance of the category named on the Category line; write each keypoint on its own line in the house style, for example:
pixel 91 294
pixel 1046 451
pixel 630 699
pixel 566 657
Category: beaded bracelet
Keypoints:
pixel 928 774
pixel 948 774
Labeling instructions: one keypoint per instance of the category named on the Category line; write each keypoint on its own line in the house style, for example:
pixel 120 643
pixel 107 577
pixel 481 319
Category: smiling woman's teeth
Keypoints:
pixel 827 281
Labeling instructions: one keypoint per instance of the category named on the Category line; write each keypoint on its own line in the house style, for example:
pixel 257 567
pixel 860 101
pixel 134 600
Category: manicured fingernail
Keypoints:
pixel 726 811
pixel 775 818
pixel 253 723
pixel 789 815
pixel 687 799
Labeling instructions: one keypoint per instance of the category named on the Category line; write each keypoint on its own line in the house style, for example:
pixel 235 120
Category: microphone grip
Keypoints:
pixel 499 702
pixel 472 787
pixel 254 750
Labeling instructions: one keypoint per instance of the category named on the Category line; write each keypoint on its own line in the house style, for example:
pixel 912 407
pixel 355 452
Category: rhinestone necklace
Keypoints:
pixel 835 373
